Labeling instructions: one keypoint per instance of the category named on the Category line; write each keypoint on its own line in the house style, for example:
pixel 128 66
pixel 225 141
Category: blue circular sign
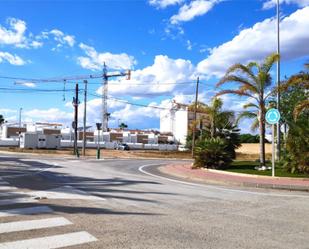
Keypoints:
pixel 272 116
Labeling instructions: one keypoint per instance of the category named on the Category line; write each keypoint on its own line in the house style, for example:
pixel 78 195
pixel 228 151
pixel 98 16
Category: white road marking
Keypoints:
pixel 141 169
pixel 50 242
pixel 16 200
pixel 25 211
pixel 17 226
pixel 65 192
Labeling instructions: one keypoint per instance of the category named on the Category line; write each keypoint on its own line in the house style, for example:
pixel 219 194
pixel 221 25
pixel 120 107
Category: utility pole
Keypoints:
pixel 85 117
pixel 106 76
pixel 104 100
pixel 75 122
pixel 194 121
pixel 278 78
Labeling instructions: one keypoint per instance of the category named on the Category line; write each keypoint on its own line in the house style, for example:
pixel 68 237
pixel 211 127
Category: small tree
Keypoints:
pixel 123 126
pixel 1 119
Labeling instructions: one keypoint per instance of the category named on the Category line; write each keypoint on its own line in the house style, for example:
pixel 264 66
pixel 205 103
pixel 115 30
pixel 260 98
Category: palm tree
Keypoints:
pixel 123 126
pixel 253 81
pixel 300 79
pixel 216 116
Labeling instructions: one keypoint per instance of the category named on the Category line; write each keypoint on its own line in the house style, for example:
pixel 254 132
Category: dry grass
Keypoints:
pixel 245 152
pixel 253 149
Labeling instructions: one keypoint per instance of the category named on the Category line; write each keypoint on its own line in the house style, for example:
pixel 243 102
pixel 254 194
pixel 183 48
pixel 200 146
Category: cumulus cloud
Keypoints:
pixel 57 36
pixel 195 8
pixel 272 3
pixel 48 115
pixel 15 35
pixel 160 78
pixel 95 60
pixel 164 3
pixel 259 41
pixel 12 59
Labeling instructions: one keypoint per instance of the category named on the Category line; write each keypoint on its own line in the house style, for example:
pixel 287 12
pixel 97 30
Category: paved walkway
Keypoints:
pixel 216 176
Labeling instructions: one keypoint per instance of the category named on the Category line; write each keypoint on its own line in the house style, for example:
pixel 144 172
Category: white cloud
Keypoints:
pixel 13 35
pixel 95 60
pixel 189 45
pixel 272 3
pixel 160 78
pixel 27 84
pixel 259 41
pixel 16 35
pixel 12 59
pixel 164 3
pixel 49 115
pixel 196 8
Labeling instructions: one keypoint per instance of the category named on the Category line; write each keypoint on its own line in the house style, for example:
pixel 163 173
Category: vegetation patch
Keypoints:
pixel 248 167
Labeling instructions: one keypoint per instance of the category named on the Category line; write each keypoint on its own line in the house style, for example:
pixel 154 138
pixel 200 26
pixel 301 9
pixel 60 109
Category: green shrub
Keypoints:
pixel 248 138
pixel 211 153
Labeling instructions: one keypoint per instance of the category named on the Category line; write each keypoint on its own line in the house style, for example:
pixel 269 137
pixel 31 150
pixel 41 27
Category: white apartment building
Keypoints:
pixel 177 120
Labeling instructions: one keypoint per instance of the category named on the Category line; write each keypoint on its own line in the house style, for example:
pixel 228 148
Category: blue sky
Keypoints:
pixel 166 43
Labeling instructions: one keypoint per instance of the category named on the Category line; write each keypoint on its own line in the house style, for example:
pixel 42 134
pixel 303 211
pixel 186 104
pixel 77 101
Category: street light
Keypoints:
pixel 278 77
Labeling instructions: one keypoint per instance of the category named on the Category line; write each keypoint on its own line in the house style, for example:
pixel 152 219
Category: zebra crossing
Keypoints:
pixel 8 197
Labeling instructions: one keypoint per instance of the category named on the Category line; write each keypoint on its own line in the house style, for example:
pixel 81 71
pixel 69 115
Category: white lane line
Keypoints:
pixel 65 192
pixel 141 169
pixel 18 226
pixel 7 188
pixel 26 211
pixel 16 201
pixel 50 242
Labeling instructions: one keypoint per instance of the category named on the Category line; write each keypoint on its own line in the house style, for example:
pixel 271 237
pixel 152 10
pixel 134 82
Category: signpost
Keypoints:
pixel 99 127
pixel 272 117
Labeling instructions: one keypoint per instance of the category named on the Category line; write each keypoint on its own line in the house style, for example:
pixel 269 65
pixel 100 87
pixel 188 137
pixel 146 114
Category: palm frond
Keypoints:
pixel 242 69
pixel 245 114
pixel 236 92
pixel 237 79
pixel 300 108
pixel 269 62
pixel 255 125
pixel 248 105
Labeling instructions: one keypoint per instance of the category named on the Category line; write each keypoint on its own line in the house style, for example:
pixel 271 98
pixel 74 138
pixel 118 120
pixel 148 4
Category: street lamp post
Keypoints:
pixel 278 78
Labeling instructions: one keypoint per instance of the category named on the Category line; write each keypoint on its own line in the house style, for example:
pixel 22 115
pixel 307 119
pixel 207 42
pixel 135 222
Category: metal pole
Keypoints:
pixel 273 151
pixel 85 117
pixel 75 119
pixel 194 121
pixel 19 131
pixel 104 100
pixel 278 78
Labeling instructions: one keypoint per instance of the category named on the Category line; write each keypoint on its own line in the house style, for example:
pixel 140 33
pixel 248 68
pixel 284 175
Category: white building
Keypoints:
pixel 175 121
pixel 178 119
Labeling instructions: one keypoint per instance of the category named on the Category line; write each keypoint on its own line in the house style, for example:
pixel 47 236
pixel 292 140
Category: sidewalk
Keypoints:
pixel 229 178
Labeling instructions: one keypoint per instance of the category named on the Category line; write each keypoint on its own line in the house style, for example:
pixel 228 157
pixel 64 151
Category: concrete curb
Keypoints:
pixel 254 176
pixel 213 180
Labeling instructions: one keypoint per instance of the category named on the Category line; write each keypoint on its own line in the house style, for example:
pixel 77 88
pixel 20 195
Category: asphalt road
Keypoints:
pixel 124 204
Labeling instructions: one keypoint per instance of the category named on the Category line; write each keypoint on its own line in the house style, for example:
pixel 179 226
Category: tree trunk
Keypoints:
pixel 262 137
pixel 212 128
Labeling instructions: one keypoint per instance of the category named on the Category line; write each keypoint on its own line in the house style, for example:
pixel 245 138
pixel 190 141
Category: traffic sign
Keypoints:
pixel 272 116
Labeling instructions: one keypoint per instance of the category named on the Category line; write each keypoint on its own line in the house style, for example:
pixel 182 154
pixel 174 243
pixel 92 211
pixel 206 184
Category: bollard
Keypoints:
pixel 98 153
